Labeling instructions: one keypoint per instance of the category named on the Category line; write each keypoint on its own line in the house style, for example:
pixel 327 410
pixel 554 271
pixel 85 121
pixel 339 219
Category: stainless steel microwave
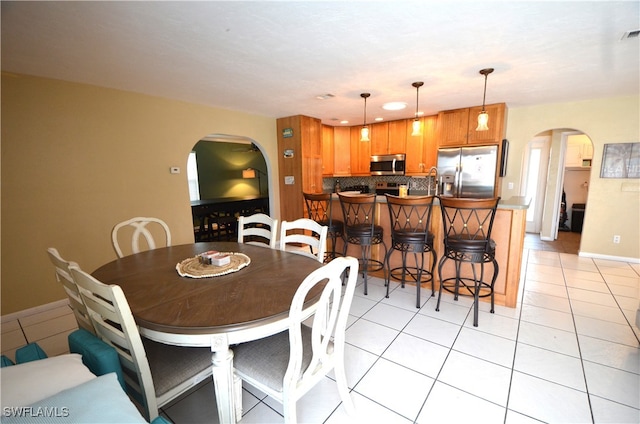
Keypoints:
pixel 388 164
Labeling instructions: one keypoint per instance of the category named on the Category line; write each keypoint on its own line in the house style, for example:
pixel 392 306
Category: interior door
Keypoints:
pixel 534 177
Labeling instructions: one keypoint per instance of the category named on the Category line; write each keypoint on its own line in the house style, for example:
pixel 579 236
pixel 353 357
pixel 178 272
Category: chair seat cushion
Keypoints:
pixel 335 227
pixel 266 360
pixel 173 365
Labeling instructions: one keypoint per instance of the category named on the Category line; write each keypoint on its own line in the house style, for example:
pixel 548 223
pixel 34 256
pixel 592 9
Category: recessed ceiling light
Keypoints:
pixel 379 119
pixel 394 106
pixel 324 96
pixel 344 122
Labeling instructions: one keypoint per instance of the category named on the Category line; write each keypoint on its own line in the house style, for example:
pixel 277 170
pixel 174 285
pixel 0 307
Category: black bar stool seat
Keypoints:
pixel 319 209
pixel 467 225
pixel 410 233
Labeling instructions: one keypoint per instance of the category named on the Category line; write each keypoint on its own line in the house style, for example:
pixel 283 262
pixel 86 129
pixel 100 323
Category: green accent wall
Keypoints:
pixel 220 166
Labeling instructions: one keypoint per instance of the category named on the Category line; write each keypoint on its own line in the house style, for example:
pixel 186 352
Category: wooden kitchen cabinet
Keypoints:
pixel 328 143
pixel 422 150
pixel 360 153
pixel 379 136
pixel 458 127
pixel 341 151
pixel 299 162
pixel 579 149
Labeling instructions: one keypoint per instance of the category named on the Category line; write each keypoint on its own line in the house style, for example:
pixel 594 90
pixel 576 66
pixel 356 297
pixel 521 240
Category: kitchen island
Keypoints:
pixel 508 233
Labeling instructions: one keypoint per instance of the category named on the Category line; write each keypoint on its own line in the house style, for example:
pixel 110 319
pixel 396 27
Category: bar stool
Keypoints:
pixel 359 215
pixel 467 225
pixel 410 233
pixel 319 210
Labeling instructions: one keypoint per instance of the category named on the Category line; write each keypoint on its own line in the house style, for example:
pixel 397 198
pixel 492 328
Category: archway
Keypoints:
pixel 556 175
pixel 232 179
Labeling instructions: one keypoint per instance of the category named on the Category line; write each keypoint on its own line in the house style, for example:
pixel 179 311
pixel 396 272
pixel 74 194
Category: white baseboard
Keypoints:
pixel 609 257
pixel 34 310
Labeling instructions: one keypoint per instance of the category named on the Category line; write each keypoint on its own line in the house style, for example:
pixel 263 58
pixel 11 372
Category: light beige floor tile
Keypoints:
pixel 12 340
pixel 45 316
pixel 10 325
pixel 44 329
pixel 57 344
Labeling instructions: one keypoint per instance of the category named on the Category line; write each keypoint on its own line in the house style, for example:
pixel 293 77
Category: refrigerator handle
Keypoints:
pixel 458 182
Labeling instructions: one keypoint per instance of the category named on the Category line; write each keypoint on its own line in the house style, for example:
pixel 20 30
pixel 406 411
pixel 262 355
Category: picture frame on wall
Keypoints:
pixel 620 160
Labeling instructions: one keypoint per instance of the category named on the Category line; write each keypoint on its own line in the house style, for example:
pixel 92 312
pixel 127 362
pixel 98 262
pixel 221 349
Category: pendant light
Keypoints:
pixel 416 122
pixel 364 132
pixel 483 117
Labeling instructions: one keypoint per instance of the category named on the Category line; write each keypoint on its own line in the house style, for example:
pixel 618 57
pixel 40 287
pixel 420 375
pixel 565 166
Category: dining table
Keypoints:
pixel 176 300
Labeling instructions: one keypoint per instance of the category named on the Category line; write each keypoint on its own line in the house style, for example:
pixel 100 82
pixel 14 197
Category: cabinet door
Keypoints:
pixel 429 142
pixel 453 127
pixel 360 153
pixel 328 141
pixel 415 149
pixel 341 151
pixel 398 136
pixel 495 133
pixel 379 136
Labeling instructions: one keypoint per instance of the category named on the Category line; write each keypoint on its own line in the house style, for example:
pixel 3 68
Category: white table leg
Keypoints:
pixel 222 369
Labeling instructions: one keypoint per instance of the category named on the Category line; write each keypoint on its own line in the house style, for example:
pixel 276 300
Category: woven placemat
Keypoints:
pixel 193 268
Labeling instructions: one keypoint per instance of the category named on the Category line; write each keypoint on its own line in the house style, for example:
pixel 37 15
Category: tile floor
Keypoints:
pixel 569 353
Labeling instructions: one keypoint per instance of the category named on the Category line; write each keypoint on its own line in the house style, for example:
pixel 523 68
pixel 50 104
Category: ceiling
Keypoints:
pixel 274 58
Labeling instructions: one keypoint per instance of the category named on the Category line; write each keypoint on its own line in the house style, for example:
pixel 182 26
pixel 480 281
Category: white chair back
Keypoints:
pixel 287 365
pixel 75 300
pixel 304 231
pixel 258 229
pixel 154 373
pixel 141 227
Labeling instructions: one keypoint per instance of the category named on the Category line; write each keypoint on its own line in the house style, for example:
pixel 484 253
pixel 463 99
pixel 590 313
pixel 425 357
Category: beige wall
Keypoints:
pixel 76 159
pixel 613 205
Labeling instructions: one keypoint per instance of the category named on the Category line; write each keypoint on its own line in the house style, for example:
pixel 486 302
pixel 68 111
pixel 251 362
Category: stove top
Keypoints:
pixel 388 188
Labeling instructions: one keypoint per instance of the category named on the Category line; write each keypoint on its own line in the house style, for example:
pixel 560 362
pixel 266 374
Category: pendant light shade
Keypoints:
pixel 483 117
pixel 364 132
pixel 416 128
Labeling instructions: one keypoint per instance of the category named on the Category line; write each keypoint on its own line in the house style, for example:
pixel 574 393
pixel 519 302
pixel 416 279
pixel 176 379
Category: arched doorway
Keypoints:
pixel 556 176
pixel 228 176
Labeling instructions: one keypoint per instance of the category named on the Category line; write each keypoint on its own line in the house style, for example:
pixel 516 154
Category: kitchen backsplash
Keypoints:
pixel 414 183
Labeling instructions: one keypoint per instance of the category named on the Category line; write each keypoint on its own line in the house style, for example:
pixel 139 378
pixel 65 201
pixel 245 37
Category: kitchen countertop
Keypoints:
pixel 513 202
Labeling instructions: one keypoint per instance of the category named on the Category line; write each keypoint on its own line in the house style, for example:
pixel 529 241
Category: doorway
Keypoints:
pixel 536 159
pixel 227 177
pixel 556 178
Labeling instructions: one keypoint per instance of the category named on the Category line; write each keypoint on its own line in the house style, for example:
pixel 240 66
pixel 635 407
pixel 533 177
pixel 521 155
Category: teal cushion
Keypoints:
pixel 97 355
pixel 30 352
pixel 100 400
pixel 6 362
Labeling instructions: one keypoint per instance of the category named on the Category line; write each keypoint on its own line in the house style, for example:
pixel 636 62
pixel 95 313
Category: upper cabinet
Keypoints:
pixel 579 152
pixel 458 127
pixel 341 151
pixel 421 149
pixel 388 137
pixel 360 152
pixel 328 143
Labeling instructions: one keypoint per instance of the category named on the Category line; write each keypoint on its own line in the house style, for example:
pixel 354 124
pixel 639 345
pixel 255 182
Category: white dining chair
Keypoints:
pixel 142 226
pixel 304 232
pixel 154 373
pixel 258 229
pixel 287 365
pixel 71 289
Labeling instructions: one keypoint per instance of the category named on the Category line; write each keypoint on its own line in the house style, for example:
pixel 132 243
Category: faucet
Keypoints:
pixel 433 173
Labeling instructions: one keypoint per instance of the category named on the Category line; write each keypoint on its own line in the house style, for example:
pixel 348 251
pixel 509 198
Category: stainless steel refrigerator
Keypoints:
pixel 467 171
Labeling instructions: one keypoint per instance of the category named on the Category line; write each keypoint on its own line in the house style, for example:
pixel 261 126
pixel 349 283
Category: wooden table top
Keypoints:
pixel 162 300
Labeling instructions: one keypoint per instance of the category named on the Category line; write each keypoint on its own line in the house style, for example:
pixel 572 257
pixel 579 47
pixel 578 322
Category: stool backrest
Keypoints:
pixel 358 210
pixel 318 207
pixel 410 214
pixel 469 220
